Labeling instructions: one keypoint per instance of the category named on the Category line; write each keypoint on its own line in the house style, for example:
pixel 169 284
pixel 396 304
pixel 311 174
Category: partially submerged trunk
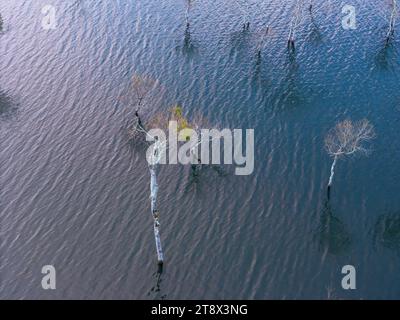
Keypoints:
pixel 331 176
pixel 293 25
pixel 392 21
pixel 153 197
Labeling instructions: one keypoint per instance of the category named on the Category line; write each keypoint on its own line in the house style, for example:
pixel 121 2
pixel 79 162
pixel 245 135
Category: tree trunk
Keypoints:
pixel 154 210
pixel 331 176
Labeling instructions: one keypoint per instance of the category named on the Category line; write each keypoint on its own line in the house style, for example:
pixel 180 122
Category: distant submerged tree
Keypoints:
pixel 392 21
pixel 346 139
pixel 245 16
pixel 141 86
pixel 187 41
pixel 1 23
pixel 264 34
pixel 140 89
pixel 189 5
pixel 293 25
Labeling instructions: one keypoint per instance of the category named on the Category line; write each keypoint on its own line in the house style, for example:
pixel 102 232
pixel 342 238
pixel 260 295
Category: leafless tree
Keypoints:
pixel 244 8
pixel 139 89
pixel 346 139
pixel 263 37
pixel 392 21
pixel 189 5
pixel 188 45
pixel 141 86
pixel 295 21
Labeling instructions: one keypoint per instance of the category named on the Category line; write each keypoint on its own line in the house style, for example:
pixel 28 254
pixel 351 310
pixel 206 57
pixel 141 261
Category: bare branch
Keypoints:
pixel 348 138
pixel 139 89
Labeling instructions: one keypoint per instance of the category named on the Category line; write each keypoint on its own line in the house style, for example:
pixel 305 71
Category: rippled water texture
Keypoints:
pixel 74 192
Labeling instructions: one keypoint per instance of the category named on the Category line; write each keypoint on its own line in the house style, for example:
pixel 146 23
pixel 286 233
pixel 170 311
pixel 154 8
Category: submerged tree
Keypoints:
pixel 392 21
pixel 346 139
pixel 315 32
pixel 187 129
pixel 141 86
pixel 244 11
pixel 189 4
pixel 188 43
pixel 265 33
pixel 293 25
pixel 157 152
pixel 139 90
pixel 1 23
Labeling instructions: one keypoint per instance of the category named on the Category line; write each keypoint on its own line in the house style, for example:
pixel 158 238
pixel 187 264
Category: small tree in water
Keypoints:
pixel 189 5
pixel 139 90
pixel 141 86
pixel 294 23
pixel 346 139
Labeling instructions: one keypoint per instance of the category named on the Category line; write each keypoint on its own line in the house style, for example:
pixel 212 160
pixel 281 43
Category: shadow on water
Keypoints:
pixel 291 93
pixel 1 24
pixel 8 108
pixel 387 231
pixel 263 35
pixel 315 35
pixel 333 235
pixel 387 57
pixel 188 47
pixel 198 177
pixel 240 39
pixel 156 292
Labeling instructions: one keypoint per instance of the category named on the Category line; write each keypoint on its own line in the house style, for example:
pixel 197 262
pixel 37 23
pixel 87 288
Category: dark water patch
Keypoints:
pixel 334 236
pixel 387 231
pixel 8 107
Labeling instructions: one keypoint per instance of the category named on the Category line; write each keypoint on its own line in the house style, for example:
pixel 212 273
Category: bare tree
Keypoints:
pixel 346 139
pixel 315 33
pixel 262 41
pixel 188 45
pixel 295 21
pixel 189 5
pixel 141 86
pixel 161 121
pixel 392 21
pixel 244 8
pixel 139 89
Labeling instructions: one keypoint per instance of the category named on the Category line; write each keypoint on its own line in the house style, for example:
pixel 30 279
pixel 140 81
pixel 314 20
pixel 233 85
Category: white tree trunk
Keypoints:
pixel 332 171
pixel 153 198
pixel 160 255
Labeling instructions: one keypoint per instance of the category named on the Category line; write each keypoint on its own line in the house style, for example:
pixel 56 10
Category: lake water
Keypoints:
pixel 74 193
